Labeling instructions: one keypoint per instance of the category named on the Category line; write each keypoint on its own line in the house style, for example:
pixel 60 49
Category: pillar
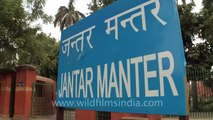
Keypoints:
pixel 25 77
pixel 5 90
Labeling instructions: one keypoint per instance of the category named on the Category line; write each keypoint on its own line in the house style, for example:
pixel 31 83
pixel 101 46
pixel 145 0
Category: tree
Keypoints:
pixel 41 51
pixel 50 66
pixel 12 25
pixel 99 4
pixel 199 56
pixel 67 16
pixel 189 27
pixel 35 11
pixel 184 2
pixel 22 44
pixel 206 28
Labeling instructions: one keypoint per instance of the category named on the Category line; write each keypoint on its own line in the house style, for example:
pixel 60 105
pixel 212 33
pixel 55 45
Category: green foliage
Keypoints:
pixel 11 28
pixel 41 51
pixel 67 16
pixel 22 44
pixel 35 11
pixel 99 4
pixel 50 65
pixel 189 28
pixel 206 27
pixel 189 24
pixel 200 55
pixel 205 49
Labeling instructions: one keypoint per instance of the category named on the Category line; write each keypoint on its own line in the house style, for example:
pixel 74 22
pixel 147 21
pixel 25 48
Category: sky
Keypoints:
pixel 52 6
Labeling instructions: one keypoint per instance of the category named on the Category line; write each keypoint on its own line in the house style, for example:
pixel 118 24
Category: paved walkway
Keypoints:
pixel 189 119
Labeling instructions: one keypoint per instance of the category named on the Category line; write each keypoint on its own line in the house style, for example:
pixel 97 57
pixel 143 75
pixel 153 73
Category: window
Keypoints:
pixel 103 115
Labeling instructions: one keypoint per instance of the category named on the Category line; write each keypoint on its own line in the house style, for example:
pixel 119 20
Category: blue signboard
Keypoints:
pixel 127 57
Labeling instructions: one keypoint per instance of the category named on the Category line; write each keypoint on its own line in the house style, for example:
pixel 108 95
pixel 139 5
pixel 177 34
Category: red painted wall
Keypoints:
pixel 91 115
pixel 85 115
pixel 23 94
pixel 118 116
pixel 5 80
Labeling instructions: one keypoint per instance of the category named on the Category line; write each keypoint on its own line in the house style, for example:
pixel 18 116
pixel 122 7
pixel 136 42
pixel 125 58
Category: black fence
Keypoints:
pixel 201 93
pixel 42 97
pixel 69 114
